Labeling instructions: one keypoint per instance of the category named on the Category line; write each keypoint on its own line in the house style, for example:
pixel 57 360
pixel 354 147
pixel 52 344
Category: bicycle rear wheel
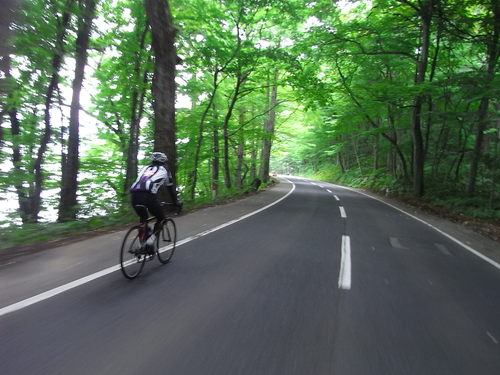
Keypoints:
pixel 132 256
pixel 169 239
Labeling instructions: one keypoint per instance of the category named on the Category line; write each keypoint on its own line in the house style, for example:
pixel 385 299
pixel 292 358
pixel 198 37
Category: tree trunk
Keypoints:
pixel 163 38
pixel 215 161
pixel 240 79
pixel 356 154
pixel 393 140
pixel 193 176
pixel 253 163
pixel 269 125
pixel 429 98
pixel 69 180
pixel 15 130
pixel 482 114
pixel 376 152
pixel 137 111
pixel 425 13
pixel 35 198
pixel 8 84
pixel 240 154
pixel 340 161
pixel 7 15
pixel 2 136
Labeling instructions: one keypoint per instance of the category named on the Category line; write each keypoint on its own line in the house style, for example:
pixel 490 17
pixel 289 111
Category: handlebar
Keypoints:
pixel 178 205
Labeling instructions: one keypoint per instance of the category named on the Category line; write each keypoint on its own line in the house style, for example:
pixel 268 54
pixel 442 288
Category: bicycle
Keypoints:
pixel 135 251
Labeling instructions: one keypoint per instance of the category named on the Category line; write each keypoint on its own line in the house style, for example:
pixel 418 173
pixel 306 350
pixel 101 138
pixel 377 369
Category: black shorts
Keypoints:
pixel 149 200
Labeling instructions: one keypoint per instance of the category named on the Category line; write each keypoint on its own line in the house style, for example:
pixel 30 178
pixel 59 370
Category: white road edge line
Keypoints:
pixel 467 247
pixel 342 212
pixel 345 264
pixel 73 284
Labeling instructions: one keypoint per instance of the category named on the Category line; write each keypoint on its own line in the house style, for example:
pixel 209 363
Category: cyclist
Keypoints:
pixel 143 190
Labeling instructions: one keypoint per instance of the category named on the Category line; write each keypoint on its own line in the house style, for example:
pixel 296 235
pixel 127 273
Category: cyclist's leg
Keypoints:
pixel 155 208
pixel 140 198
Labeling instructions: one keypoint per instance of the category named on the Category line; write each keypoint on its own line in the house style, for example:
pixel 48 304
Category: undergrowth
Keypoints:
pixel 26 234
pixel 443 194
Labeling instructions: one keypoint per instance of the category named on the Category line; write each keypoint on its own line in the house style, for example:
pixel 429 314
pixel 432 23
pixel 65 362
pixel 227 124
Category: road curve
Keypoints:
pixel 326 281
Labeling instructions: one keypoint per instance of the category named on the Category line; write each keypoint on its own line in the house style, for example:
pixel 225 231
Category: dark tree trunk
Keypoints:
pixel 7 85
pixel 2 136
pixel 137 111
pixel 425 13
pixel 340 161
pixel 215 161
pixel 35 198
pixel 24 204
pixel 193 176
pixel 6 18
pixel 432 73
pixel 376 152
pixel 241 151
pixel 493 52
pixel 69 181
pixel 240 79
pixel 253 163
pixel 163 38
pixel 269 125
pixel 15 130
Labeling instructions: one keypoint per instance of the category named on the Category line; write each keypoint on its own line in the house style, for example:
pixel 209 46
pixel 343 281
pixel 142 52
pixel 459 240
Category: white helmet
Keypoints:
pixel 158 157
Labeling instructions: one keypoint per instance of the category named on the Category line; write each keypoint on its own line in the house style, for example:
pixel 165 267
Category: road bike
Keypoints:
pixel 136 249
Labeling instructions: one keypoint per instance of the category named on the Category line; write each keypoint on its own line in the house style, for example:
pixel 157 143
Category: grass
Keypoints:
pixel 17 235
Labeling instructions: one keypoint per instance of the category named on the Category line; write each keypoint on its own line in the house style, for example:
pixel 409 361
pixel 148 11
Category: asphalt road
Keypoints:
pixel 325 281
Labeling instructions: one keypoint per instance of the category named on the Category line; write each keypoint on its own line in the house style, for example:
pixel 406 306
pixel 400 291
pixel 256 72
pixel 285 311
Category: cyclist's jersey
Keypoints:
pixel 151 178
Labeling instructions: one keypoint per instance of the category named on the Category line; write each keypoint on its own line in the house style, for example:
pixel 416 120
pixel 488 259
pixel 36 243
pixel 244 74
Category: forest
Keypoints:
pixel 399 96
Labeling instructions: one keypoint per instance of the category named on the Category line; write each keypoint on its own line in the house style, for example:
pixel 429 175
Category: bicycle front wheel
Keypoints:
pixel 168 241
pixel 132 256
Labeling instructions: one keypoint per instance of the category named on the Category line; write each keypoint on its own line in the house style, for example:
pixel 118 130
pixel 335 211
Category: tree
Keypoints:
pixel 491 40
pixel 35 197
pixel 163 37
pixel 269 125
pixel 69 180
pixel 123 93
pixel 393 94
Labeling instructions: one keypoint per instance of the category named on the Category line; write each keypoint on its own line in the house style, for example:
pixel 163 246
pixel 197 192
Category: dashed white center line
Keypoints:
pixel 395 243
pixel 336 197
pixel 442 248
pixel 328 190
pixel 342 212
pixel 7 264
pixel 345 264
pixel 493 338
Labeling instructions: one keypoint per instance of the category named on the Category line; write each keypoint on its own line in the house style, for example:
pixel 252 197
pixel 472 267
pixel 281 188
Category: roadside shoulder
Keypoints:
pixel 484 245
pixel 192 220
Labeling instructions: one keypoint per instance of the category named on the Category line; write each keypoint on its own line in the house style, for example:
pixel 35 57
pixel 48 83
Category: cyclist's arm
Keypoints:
pixel 170 187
